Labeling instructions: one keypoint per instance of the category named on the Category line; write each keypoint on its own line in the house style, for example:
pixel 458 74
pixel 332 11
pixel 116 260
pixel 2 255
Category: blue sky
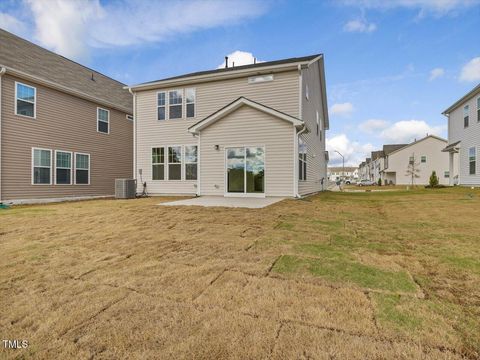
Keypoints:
pixel 391 66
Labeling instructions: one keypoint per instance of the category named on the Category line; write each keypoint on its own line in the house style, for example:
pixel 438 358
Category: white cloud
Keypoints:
pixel 373 125
pixel 353 151
pixel 406 131
pixel 471 70
pixel 435 7
pixel 239 58
pixel 73 27
pixel 11 24
pixel 359 25
pixel 342 109
pixel 436 73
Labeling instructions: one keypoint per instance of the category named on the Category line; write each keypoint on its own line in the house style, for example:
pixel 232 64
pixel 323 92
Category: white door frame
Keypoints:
pixel 244 194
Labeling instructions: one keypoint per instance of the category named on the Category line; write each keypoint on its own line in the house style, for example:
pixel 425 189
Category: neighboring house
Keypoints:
pixel 426 155
pixel 253 130
pixel 65 130
pixel 368 168
pixel 464 139
pixel 336 173
pixel 362 171
pixel 376 165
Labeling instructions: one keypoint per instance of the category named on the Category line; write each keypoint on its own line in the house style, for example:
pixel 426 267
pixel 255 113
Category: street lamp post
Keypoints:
pixel 343 164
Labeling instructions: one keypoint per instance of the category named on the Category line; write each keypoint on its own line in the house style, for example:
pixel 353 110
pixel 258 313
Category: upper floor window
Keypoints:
pixel 42 166
pixel 175 104
pixel 25 100
pixel 82 169
pixel 302 159
pixel 63 168
pixel 103 121
pixel 423 159
pixel 478 109
pixel 472 159
pixel 158 163
pixel 466 115
pixel 161 106
pixel 319 133
pixel 190 102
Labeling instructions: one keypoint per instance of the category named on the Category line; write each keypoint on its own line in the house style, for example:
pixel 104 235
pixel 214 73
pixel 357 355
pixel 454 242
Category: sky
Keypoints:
pixel 392 66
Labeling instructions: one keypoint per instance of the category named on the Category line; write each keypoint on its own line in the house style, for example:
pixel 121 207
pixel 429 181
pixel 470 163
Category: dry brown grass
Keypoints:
pixel 335 276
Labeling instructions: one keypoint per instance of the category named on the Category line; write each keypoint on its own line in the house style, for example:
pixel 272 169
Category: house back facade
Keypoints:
pixel 65 130
pixel 464 139
pixel 253 130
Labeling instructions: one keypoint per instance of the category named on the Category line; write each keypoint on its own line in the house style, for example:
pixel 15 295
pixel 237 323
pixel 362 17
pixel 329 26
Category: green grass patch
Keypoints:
pixel 391 313
pixel 341 269
pixel 464 263
pixel 285 226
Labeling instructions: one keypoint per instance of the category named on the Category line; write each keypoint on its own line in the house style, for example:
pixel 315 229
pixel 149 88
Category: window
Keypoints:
pixel 63 168
pixel 446 174
pixel 25 100
pixel 302 160
pixel 318 124
pixel 103 120
pixel 307 96
pixel 158 163
pixel 466 113
pixel 82 169
pixel 175 163
pixel 42 166
pixel 161 106
pixel 191 158
pixel 258 79
pixel 175 100
pixel 411 160
pixel 472 159
pixel 478 109
pixel 190 101
pixel 423 159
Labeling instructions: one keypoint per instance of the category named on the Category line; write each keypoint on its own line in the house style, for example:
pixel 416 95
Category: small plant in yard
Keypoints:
pixel 379 182
pixel 412 169
pixel 433 181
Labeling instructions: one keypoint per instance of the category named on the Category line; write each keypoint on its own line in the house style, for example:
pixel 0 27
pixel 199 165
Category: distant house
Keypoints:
pixel 336 173
pixel 464 139
pixel 426 156
pixel 65 130
pixel 254 130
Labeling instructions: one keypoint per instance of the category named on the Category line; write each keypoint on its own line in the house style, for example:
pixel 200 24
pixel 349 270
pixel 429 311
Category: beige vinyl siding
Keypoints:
pixel 316 164
pixel 248 127
pixel 469 137
pixel 63 122
pixel 280 94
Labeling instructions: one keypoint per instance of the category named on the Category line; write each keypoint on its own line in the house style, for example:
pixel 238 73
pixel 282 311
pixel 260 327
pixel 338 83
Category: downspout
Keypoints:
pixel 295 134
pixel 297 195
pixel 134 133
pixel 2 72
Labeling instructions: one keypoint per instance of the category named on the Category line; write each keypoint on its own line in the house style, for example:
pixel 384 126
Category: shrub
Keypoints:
pixel 433 181
pixel 379 182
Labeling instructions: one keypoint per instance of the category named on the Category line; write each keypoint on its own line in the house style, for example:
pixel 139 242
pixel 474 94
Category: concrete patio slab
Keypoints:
pixel 220 201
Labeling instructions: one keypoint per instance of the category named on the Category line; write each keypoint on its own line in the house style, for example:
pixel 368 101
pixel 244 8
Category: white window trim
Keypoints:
pixel 108 121
pixel 476 153
pixel 185 162
pixel 165 153
pixel 478 109
pixel 75 167
pixel 194 104
pixel 165 106
pixel 182 104
pixel 71 166
pixel 33 166
pixel 304 178
pixel 466 114
pixel 307 94
pixel 34 101
pixel 167 177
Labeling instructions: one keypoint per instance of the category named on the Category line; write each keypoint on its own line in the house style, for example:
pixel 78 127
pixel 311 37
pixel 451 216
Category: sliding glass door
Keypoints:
pixel 245 167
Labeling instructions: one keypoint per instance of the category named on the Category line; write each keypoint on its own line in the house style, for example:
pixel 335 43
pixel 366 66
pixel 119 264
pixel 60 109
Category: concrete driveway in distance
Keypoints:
pixel 220 201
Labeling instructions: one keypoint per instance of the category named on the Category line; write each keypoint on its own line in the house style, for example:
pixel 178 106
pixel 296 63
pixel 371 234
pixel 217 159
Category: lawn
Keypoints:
pixel 375 275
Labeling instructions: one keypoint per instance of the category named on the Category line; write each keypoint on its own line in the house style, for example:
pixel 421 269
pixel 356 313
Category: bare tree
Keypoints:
pixel 413 169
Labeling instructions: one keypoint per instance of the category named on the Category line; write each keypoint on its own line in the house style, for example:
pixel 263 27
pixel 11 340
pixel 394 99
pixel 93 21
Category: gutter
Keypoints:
pixel 3 70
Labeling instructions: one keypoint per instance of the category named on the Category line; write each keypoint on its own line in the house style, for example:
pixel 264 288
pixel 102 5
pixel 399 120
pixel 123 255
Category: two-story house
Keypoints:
pixel 464 139
pixel 252 130
pixel 424 155
pixel 66 131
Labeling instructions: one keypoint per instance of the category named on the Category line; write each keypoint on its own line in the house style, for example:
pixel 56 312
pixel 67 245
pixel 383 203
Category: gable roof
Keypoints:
pixel 387 149
pixel 233 70
pixel 24 59
pixel 417 141
pixel 233 106
pixel 471 93
pixel 377 154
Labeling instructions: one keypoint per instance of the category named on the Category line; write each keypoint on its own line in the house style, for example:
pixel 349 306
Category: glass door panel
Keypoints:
pixel 236 170
pixel 255 170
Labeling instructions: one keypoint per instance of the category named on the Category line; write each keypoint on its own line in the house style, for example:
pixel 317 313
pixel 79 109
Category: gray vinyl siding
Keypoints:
pixel 248 127
pixel 469 137
pixel 316 164
pixel 280 94
pixel 63 122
